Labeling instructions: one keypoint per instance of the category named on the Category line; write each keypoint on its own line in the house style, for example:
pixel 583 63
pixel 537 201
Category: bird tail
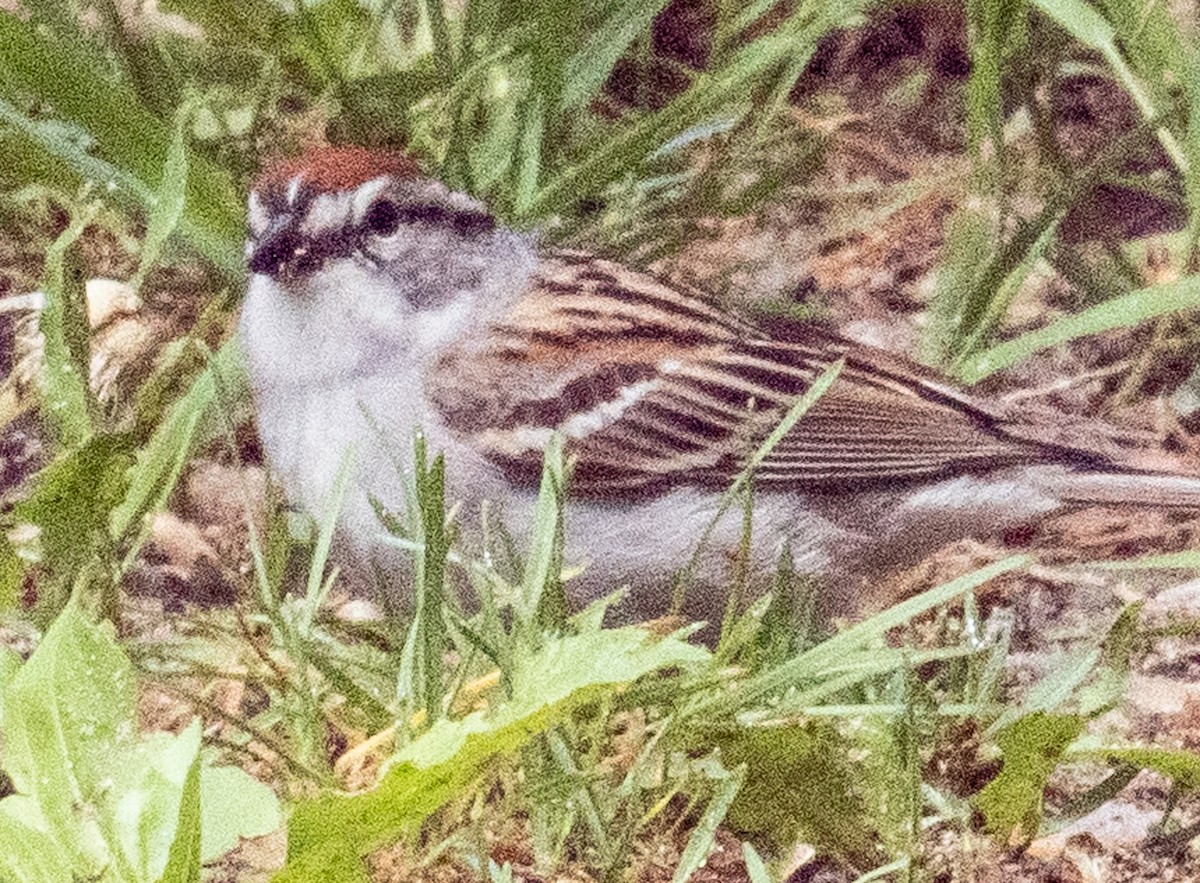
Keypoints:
pixel 1133 489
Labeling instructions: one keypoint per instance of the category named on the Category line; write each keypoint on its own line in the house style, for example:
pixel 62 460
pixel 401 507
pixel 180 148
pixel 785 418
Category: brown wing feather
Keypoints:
pixel 654 387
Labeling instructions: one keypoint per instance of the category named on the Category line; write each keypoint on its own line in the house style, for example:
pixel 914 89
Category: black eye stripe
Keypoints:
pixel 424 214
pixel 433 215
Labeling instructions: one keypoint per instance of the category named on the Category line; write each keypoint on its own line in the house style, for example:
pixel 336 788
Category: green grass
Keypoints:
pixel 500 716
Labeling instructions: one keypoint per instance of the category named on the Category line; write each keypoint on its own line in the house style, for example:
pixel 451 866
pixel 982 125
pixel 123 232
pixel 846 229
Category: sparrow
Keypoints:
pixel 381 303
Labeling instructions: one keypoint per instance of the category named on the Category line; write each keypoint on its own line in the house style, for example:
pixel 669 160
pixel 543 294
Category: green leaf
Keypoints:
pixel 184 858
pixel 1088 26
pixel 112 804
pixel 204 412
pixel 317 586
pixel 1082 21
pixel 1068 672
pixel 542 597
pixel 556 26
pixel 332 831
pixel 68 714
pixel 155 788
pixel 171 201
pixel 1032 747
pixel 72 499
pixel 815 664
pixel 704 836
pixel 756 868
pixel 1125 311
pixel 335 39
pixel 591 64
pixel 799 784
pixel 29 851
pixel 12 576
pixel 1166 561
pixel 612 155
pixel 67 402
pixel 970 246
pixel 257 24
pixel 233 805
pixel 1182 767
pixel 122 133
pixel 421 656
pixel 10 664
pixel 801 406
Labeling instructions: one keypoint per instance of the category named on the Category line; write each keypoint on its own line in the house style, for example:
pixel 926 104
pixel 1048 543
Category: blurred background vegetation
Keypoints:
pixel 1009 190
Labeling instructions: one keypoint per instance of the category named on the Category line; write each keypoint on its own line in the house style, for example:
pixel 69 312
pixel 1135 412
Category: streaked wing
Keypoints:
pixel 653 387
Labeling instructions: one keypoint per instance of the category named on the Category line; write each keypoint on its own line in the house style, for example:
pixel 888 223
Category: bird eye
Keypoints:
pixel 383 218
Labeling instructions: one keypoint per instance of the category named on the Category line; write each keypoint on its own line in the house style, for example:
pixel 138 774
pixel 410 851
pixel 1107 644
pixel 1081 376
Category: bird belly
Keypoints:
pixel 308 434
pixel 643 546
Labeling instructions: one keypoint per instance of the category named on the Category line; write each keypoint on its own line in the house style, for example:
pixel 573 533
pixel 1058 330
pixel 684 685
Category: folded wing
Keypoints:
pixel 653 387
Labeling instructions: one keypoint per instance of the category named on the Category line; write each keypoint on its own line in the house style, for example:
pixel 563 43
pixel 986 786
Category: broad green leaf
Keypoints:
pixel 800 783
pixel 113 803
pixel 980 279
pixel 184 860
pixel 30 852
pixel 155 785
pixel 334 830
pixel 68 713
pixel 72 499
pixel 233 805
pixel 995 300
pixel 1125 311
pixel 1012 802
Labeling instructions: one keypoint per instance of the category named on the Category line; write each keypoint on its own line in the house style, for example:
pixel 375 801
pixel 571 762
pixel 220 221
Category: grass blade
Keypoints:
pixel 1125 311
pixel 67 403
pixel 704 835
pixel 812 663
pixel 167 210
pixel 123 132
pixel 1089 27
pixel 591 65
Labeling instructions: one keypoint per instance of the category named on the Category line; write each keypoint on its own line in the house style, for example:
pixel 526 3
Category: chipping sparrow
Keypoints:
pixel 381 302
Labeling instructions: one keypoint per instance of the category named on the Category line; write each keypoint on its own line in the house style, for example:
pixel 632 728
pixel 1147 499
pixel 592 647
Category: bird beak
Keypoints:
pixel 278 245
